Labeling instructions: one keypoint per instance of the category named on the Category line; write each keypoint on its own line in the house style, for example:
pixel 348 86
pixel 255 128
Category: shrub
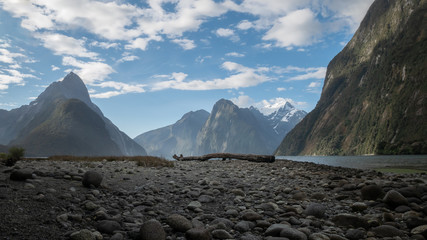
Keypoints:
pixel 15 154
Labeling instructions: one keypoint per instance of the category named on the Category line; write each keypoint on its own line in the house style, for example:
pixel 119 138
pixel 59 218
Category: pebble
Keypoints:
pixel 198 234
pixel 315 209
pixel 222 200
pixel 179 223
pixel 108 226
pixel 92 178
pixel 21 175
pixel 394 198
pixel 84 234
pixel 152 230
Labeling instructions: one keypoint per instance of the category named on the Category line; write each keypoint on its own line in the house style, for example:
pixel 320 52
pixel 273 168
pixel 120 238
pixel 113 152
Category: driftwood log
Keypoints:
pixel 224 156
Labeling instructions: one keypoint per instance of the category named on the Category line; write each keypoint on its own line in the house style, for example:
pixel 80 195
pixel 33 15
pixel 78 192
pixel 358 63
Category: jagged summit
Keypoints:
pixel 72 86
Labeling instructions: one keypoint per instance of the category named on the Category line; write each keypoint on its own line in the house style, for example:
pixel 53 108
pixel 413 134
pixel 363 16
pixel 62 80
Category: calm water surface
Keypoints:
pixel 365 162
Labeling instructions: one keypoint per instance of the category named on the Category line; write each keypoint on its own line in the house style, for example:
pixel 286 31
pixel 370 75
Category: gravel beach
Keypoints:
pixel 209 200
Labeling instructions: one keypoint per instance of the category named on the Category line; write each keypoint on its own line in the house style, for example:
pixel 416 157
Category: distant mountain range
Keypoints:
pixel 64 121
pixel 227 128
pixel 374 96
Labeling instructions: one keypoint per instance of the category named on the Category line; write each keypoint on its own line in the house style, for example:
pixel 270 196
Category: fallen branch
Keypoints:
pixel 224 156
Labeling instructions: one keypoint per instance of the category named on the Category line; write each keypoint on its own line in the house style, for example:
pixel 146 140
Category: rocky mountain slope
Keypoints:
pixel 374 96
pixel 227 129
pixel 63 120
pixel 176 138
pixel 234 130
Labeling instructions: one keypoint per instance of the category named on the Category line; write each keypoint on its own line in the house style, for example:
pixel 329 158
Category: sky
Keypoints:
pixel 148 62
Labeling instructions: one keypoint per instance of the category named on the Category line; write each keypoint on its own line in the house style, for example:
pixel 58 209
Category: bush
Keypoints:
pixel 15 154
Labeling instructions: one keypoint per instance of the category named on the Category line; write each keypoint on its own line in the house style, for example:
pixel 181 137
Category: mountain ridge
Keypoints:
pixel 217 135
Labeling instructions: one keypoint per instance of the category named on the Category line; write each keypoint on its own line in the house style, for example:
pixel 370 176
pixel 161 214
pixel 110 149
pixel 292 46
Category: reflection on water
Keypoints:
pixel 365 162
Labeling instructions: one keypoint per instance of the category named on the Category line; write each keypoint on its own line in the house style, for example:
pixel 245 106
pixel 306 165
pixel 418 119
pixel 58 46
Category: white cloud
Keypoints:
pixel 186 44
pixel 12 76
pixel 234 54
pixel 281 89
pixel 244 25
pixel 8 57
pixel 105 45
pixel 299 28
pixel 54 68
pixel 142 43
pixel 311 73
pixel 90 72
pixel 224 32
pixel 314 85
pixel 241 77
pixel 64 45
pixel 227 33
pixel 128 58
pixel 120 89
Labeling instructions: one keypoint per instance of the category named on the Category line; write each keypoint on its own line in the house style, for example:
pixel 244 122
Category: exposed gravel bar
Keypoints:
pixel 209 200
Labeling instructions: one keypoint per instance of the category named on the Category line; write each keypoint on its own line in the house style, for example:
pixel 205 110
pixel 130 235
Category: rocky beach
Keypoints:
pixel 208 200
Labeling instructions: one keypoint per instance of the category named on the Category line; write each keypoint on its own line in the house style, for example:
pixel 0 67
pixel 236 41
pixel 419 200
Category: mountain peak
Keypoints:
pixel 72 86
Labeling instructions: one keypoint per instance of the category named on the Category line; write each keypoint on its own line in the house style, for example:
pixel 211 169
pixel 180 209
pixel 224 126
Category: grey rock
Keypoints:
pixel 243 226
pixel 221 234
pixel 251 216
pixel 315 209
pixel 117 236
pixel 371 192
pixel 82 235
pixel 421 230
pixel 355 234
pixel 194 205
pixel 206 199
pixel 92 178
pixel 152 230
pixel 275 229
pixel 394 198
pixel 249 236
pixel 318 236
pixel 21 175
pixel 387 231
pixel 349 220
pixel 108 226
pixel 198 234
pixel 292 233
pixel 179 223
pixel 359 207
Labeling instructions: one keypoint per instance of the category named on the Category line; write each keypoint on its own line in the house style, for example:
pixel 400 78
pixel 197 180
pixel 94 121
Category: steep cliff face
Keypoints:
pixel 374 97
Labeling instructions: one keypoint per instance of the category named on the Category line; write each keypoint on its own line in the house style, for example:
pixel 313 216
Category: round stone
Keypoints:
pixel 198 234
pixel 108 226
pixel 83 235
pixel 92 178
pixel 371 192
pixel 179 223
pixel 394 198
pixel 152 230
pixel 315 209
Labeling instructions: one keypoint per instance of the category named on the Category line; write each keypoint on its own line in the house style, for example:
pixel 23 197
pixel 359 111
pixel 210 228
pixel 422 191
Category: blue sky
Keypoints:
pixel 146 63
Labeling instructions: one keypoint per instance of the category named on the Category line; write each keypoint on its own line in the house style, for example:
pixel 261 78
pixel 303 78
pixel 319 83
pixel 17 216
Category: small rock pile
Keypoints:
pixel 209 200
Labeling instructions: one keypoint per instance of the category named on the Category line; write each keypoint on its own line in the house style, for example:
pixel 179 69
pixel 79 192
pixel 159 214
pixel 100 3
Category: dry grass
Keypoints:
pixel 142 161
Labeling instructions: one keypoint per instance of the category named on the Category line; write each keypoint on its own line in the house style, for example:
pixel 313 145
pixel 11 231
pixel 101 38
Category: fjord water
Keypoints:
pixel 365 162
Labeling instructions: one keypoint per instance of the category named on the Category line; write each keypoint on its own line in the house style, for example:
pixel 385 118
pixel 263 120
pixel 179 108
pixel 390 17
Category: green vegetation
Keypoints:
pixel 142 161
pixel 15 154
